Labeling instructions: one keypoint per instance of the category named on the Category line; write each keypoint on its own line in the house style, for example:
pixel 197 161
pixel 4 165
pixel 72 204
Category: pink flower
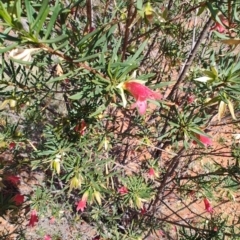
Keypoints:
pixel 82 204
pixel 220 26
pixel 141 93
pixel 208 206
pixel 18 199
pixel 206 141
pixel 161 233
pixel 52 220
pixel 122 190
pixel 33 218
pixel 13 179
pixel 152 173
pixel 190 99
pixel 47 237
pixel 12 145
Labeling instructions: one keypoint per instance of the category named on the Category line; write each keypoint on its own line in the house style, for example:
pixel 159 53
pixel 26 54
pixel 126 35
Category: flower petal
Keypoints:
pixel 141 106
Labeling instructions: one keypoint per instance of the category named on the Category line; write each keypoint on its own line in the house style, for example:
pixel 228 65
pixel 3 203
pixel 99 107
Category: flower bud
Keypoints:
pixel 76 182
pixel 98 197
pixel 56 165
pixel 148 12
pixel 12 103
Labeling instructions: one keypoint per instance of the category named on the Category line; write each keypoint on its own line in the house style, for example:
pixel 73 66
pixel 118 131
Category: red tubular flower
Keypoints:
pixel 190 99
pixel 143 211
pixel 52 220
pixel 122 190
pixel 18 199
pixel 206 141
pixel 218 27
pixel 13 179
pixel 152 173
pixel 82 204
pixel 33 218
pixel 47 237
pixel 208 206
pixel 12 145
pixel 81 127
pixel 141 93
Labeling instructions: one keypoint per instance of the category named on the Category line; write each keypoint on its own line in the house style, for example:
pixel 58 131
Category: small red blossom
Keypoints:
pixel 91 29
pixel 13 179
pixel 218 27
pixel 81 127
pixel 47 237
pixel 208 206
pixel 82 204
pixel 151 172
pixel 52 220
pixel 143 211
pixel 141 93
pixel 97 237
pixel 190 99
pixel 18 199
pixel 206 141
pixel 122 190
pixel 223 25
pixel 33 218
pixel 161 233
pixel 12 145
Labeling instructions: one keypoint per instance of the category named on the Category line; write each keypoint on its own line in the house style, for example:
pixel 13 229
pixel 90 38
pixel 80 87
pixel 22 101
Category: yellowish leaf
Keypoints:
pixel 4 103
pixel 231 109
pixel 231 41
pixel 98 197
pixel 221 110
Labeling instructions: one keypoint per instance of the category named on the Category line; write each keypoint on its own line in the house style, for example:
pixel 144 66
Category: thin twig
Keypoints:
pixel 190 59
pixel 171 168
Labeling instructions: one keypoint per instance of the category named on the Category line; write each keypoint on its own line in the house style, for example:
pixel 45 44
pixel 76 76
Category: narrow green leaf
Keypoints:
pixel 87 58
pixel 98 111
pixel 9 38
pixel 222 36
pixel 41 21
pixel 4 14
pixel 63 76
pixel 139 51
pixel 6 49
pixel 54 40
pixel 29 11
pixel 163 84
pixel 198 131
pixel 209 73
pixel 18 10
pixel 139 4
pixel 86 37
pixel 52 21
pixel 76 96
pixel 115 50
pixel 42 12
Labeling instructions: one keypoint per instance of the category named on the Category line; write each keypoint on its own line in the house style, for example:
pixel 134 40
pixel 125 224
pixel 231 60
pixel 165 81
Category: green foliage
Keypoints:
pixel 65 66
